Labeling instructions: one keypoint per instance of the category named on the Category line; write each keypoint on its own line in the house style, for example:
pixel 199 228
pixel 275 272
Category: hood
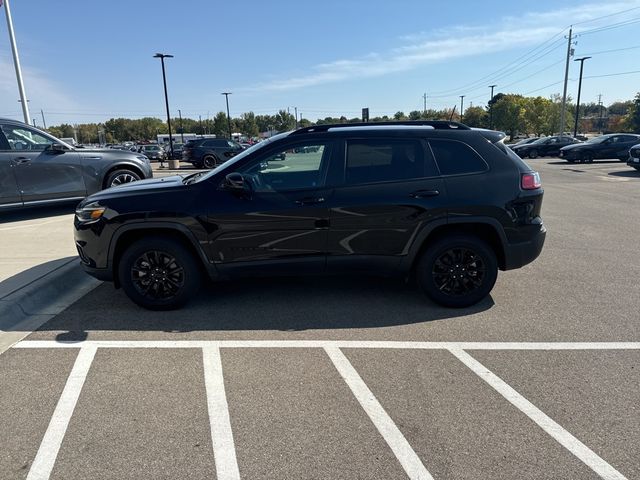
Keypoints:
pixel 141 186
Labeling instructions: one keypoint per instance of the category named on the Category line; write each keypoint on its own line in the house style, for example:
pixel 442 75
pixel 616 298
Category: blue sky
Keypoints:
pixel 87 61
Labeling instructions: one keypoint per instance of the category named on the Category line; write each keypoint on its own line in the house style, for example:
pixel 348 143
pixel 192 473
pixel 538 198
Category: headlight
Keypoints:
pixel 91 212
pixel 142 158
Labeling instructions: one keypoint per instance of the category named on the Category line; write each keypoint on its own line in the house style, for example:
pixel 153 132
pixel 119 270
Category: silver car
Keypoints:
pixel 37 168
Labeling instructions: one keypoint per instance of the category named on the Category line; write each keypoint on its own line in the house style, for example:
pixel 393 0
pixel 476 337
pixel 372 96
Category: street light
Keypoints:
pixel 461 106
pixel 491 107
pixel 575 125
pixel 226 94
pixel 162 56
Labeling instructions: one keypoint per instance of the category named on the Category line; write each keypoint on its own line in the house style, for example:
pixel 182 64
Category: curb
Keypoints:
pixel 29 307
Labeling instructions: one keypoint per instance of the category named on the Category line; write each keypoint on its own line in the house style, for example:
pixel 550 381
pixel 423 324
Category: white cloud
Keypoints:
pixel 458 41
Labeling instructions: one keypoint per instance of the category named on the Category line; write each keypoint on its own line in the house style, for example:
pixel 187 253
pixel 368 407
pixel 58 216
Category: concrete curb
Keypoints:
pixel 29 307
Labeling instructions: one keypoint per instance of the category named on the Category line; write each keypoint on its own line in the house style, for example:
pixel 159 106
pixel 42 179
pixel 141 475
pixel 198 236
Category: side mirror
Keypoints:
pixel 57 148
pixel 236 182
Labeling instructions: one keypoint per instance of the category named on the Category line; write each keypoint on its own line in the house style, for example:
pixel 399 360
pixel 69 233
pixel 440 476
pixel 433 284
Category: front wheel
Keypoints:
pixel 457 271
pixel 210 161
pixel 533 154
pixel 587 157
pixel 159 273
pixel 120 177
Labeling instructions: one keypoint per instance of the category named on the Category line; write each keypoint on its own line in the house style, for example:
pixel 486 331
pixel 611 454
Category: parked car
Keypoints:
pixel 37 168
pixel 525 141
pixel 433 200
pixel 614 145
pixel 178 148
pixel 634 157
pixel 542 147
pixel 154 152
pixel 210 152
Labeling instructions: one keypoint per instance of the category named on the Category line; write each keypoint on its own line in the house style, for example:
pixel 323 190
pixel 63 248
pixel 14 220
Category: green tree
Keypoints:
pixel 538 111
pixel 508 114
pixel 476 117
pixel 634 115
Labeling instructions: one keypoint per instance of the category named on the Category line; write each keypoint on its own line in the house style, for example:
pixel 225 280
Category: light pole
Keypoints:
pixel 491 107
pixel 16 62
pixel 181 128
pixel 162 56
pixel 575 125
pixel 461 106
pixel 226 95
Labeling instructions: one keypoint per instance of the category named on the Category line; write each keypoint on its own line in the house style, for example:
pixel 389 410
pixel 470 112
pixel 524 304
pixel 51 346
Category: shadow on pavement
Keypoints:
pixel 32 213
pixel 631 173
pixel 26 277
pixel 595 163
pixel 277 304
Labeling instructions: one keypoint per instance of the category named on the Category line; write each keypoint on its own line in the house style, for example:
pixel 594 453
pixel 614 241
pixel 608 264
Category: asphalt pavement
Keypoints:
pixel 353 377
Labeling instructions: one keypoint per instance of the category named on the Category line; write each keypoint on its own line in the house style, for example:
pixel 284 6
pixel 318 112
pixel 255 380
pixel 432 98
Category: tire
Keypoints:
pixel 136 273
pixel 120 177
pixel 533 153
pixel 210 161
pixel 472 284
pixel 587 157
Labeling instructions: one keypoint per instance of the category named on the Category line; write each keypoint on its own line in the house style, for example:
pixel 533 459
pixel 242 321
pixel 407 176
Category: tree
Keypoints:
pixel 537 113
pixel 620 108
pixel 476 117
pixel 508 114
pixel 634 115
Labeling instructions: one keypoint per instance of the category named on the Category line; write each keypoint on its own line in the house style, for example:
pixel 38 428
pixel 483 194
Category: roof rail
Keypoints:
pixel 437 124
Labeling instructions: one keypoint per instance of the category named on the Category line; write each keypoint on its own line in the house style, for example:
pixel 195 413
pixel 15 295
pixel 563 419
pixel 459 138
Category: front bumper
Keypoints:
pixel 634 162
pixel 517 255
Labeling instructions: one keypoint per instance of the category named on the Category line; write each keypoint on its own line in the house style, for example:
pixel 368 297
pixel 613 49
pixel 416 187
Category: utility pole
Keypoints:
pixel 226 94
pixel 43 122
pixel 491 107
pixel 16 62
pixel 566 80
pixel 181 129
pixel 424 97
pixel 575 125
pixel 600 119
pixel 295 109
pixel 200 120
pixel 461 106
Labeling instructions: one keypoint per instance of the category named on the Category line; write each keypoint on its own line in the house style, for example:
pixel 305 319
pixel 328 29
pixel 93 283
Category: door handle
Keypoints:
pixel 22 160
pixel 424 193
pixel 309 200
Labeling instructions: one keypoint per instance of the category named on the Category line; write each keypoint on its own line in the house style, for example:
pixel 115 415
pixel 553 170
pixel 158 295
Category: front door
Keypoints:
pixel 41 173
pixel 282 222
pixel 9 192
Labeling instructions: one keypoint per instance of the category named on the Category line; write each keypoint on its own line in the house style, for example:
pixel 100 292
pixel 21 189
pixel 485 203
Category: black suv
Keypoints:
pixel 438 201
pixel 210 152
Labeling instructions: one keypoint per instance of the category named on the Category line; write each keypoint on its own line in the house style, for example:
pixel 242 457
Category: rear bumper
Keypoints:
pixel 517 255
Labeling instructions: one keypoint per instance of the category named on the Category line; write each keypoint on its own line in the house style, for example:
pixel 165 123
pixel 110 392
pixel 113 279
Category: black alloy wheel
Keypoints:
pixel 458 271
pixel 159 273
pixel 210 161
pixel 120 177
pixel 533 153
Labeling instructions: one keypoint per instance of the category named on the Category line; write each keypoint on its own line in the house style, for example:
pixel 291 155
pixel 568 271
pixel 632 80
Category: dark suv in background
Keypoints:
pixel 209 152
pixel 39 169
pixel 436 201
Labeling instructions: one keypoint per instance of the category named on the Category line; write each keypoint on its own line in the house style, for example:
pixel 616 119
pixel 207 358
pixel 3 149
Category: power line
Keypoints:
pixel 610 27
pixel 607 16
pixel 611 51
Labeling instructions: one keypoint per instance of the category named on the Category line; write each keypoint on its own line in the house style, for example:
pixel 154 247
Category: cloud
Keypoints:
pixel 41 92
pixel 455 42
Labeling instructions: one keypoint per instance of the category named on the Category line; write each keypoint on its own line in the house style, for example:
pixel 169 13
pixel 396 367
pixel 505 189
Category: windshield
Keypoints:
pixel 540 140
pixel 244 153
pixel 599 139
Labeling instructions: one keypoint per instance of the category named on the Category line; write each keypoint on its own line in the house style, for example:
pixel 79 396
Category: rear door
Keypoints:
pixel 9 192
pixel 388 189
pixel 43 174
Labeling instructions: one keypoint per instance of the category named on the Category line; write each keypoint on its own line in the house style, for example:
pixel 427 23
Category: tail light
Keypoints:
pixel 531 181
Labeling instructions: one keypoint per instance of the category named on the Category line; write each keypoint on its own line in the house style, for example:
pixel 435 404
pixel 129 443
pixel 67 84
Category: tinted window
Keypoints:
pixel 210 143
pixel 386 160
pixel 628 138
pixel 454 158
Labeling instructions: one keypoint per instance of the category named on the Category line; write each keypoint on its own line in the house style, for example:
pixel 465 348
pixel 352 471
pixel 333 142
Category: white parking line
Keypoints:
pixel 50 445
pixel 331 343
pixel 224 450
pixel 568 441
pixel 380 418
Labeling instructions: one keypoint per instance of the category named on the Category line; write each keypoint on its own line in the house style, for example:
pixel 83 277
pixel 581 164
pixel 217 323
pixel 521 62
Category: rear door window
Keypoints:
pixel 457 158
pixel 384 160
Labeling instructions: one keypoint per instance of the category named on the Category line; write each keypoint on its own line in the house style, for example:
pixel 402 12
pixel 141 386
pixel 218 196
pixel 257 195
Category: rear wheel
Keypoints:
pixel 159 273
pixel 457 271
pixel 210 161
pixel 533 153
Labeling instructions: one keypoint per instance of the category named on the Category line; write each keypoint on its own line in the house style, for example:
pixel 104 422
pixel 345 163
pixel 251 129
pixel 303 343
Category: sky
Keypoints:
pixel 88 61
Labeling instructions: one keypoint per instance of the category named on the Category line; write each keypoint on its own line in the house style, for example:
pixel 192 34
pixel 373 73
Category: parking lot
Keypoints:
pixel 353 377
